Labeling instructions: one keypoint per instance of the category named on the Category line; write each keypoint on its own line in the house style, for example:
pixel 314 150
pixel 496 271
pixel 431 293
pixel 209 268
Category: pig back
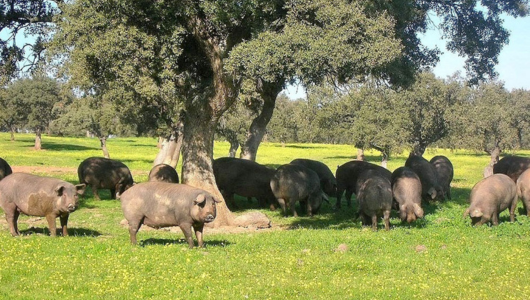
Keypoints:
pixel 164 173
pixel 328 183
pixel 348 173
pixel 31 192
pixel 497 189
pixel 292 181
pixel 374 190
pixel 243 177
pixel 406 185
pixel 513 166
pixel 427 174
pixel 5 168
pixel 444 169
pixel 104 172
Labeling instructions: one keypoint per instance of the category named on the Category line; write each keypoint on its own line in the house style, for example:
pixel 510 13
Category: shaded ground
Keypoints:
pixel 54 171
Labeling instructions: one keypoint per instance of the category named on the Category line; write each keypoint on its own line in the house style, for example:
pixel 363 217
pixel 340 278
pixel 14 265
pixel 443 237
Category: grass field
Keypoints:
pixel 326 257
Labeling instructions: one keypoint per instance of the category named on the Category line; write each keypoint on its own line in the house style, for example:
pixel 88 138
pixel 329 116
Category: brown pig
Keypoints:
pixel 162 204
pixel 406 190
pixel 38 196
pixel 489 197
pixel 374 193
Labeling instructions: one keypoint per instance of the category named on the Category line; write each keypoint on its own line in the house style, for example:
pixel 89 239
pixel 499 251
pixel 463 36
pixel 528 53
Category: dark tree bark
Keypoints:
pixel 268 92
pixel 234 145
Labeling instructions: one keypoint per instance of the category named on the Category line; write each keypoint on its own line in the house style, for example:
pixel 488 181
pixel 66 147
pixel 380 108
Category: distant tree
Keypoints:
pixel 486 120
pixel 427 103
pixel 380 122
pixel 521 102
pixel 10 117
pixel 282 127
pixel 34 100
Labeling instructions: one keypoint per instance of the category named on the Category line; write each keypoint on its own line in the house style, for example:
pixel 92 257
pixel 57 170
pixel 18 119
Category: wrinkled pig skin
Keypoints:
pixel 162 204
pixel 38 196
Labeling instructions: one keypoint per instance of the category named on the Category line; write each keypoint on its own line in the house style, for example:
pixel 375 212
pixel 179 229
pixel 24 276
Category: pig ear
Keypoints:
pixel 216 200
pixel 59 190
pixel 80 188
pixel 200 199
pixel 418 211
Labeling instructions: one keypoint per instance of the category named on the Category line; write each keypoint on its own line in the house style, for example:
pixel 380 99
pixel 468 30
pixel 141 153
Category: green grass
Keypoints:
pixel 440 257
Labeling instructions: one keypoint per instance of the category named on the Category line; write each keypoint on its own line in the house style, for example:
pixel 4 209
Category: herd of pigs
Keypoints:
pixel 163 202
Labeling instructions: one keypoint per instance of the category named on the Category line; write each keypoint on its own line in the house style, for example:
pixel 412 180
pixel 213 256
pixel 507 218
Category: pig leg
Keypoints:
pixel 374 222
pixel 349 193
pixel 12 219
pixel 134 226
pixel 186 229
pixel 198 234
pixel 495 218
pixel 95 192
pixel 113 193
pixel 281 201
pixel 292 204
pixel 386 217
pixel 512 208
pixel 51 224
pixel 64 223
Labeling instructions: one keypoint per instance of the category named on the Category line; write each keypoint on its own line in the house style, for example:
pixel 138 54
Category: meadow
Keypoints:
pixel 329 256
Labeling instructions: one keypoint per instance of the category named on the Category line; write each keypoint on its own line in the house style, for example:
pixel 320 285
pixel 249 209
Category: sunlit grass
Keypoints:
pixel 439 257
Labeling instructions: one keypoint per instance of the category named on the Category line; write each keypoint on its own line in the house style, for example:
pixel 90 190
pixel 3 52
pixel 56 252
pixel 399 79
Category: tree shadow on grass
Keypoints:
pixel 370 158
pixel 180 241
pixel 67 147
pixel 71 231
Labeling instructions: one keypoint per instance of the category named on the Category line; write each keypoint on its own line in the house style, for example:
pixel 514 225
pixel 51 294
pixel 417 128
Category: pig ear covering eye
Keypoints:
pixel 59 190
pixel 200 199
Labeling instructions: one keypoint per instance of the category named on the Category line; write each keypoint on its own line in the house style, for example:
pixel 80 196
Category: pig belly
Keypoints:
pixel 158 221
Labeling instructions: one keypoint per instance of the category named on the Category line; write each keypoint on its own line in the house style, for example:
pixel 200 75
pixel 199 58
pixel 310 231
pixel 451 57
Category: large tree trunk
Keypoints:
pixel 173 153
pixel 419 149
pixel 164 145
pixel 269 93
pixel 234 145
pixel 494 158
pixel 38 139
pixel 197 155
pixel 103 142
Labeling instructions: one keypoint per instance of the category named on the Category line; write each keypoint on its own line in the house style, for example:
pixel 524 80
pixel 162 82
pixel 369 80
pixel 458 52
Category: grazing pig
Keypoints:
pixel 427 174
pixel 347 175
pixel 406 190
pixel 104 173
pixel 163 204
pixel 245 178
pixel 374 194
pixel 292 183
pixel 5 169
pixel 444 172
pixel 523 190
pixel 489 197
pixel 164 173
pixel 38 196
pixel 513 166
pixel 328 183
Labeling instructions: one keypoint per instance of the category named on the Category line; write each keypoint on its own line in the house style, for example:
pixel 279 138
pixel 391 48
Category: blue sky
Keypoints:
pixel 514 61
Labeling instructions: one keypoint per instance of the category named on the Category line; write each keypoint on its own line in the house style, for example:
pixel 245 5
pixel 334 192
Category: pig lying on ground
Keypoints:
pixel 489 197
pixel 406 189
pixel 104 173
pixel 164 173
pixel 38 196
pixel 162 204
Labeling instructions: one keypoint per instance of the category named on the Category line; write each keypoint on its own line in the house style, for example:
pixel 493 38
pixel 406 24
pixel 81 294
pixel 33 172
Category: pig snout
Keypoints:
pixel 71 207
pixel 209 218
